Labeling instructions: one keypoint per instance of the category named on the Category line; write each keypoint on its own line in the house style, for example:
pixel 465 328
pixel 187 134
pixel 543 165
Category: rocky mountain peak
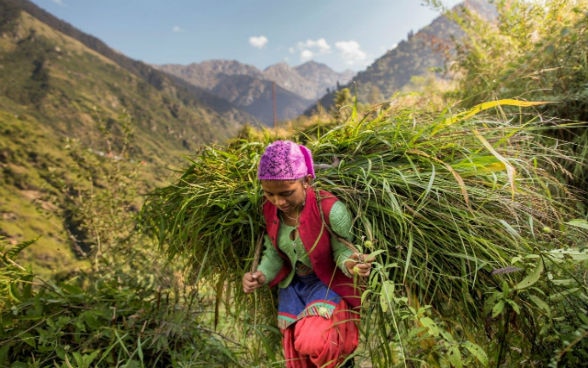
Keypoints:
pixel 230 80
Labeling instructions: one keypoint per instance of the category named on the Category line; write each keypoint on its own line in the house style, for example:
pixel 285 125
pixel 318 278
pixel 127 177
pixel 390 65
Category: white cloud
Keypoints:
pixel 177 29
pixel 58 2
pixel 306 55
pixel 321 46
pixel 258 41
pixel 308 49
pixel 351 52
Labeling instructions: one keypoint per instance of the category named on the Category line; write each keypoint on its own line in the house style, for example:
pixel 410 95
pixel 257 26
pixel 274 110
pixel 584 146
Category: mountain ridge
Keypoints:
pixel 68 112
pixel 153 76
pixel 294 88
pixel 315 86
pixel 421 54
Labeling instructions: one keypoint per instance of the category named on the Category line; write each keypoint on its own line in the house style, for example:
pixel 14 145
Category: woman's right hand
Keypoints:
pixel 252 281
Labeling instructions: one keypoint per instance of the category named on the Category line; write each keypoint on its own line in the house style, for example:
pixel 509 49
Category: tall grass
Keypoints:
pixel 452 201
pixel 535 51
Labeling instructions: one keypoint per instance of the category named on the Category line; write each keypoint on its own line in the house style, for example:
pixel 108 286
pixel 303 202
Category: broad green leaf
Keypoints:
pixel 557 297
pixel 515 307
pixel 477 352
pixel 566 254
pixel 430 325
pixel 375 253
pixel 581 223
pixel 531 278
pixel 541 304
pixel 454 356
pixel 497 309
pixel 565 282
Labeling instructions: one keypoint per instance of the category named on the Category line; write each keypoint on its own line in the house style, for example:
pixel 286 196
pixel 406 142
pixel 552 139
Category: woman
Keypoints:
pixel 318 300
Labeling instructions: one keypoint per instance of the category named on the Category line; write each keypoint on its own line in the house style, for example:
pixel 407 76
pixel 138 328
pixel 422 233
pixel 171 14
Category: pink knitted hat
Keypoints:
pixel 285 160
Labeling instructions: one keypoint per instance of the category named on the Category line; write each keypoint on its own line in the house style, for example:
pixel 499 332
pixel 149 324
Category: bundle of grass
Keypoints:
pixel 446 204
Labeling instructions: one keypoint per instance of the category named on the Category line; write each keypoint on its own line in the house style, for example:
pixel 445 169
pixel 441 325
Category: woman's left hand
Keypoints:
pixel 359 264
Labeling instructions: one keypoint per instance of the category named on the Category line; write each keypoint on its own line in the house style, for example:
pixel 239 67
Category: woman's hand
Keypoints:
pixel 359 264
pixel 252 281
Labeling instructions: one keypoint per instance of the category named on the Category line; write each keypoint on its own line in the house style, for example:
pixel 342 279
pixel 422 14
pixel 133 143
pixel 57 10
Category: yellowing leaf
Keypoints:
pixel 510 170
pixel 387 295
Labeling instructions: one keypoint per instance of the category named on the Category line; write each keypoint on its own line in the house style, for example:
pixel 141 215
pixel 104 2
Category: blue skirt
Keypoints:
pixel 305 296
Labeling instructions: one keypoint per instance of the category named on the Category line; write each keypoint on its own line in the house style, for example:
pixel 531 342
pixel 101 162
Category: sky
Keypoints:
pixel 343 34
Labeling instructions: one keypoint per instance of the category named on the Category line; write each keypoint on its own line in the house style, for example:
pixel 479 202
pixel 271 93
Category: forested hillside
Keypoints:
pixel 185 92
pixel 65 97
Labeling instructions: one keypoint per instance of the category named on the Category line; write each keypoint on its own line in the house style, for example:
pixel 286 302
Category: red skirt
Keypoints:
pixel 315 341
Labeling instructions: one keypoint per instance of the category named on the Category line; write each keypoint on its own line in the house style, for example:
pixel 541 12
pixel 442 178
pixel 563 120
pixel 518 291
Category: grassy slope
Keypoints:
pixel 32 166
pixel 56 93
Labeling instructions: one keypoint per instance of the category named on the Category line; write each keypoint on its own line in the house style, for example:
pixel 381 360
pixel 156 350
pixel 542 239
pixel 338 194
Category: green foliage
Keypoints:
pixel 420 337
pixel 209 221
pixel 215 202
pixel 15 280
pixel 343 101
pixel 120 316
pixel 535 51
pixel 404 184
pixel 94 216
pixel 550 304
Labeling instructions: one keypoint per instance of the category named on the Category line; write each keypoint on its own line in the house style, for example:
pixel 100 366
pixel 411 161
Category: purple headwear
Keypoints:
pixel 285 160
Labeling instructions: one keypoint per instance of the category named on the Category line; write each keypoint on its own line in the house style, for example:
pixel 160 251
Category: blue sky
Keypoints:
pixel 343 34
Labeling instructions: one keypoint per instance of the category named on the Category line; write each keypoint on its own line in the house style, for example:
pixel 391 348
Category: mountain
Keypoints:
pixel 258 96
pixel 48 44
pixel 310 80
pixel 423 53
pixel 207 73
pixel 70 105
pixel 253 90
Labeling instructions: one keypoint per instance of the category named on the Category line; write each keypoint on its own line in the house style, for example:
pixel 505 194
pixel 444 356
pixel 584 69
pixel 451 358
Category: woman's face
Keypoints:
pixel 287 195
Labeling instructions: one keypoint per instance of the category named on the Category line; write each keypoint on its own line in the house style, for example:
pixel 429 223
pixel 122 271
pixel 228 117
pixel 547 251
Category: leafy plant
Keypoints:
pixel 533 51
pixel 15 280
pixel 548 305
pixel 107 319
